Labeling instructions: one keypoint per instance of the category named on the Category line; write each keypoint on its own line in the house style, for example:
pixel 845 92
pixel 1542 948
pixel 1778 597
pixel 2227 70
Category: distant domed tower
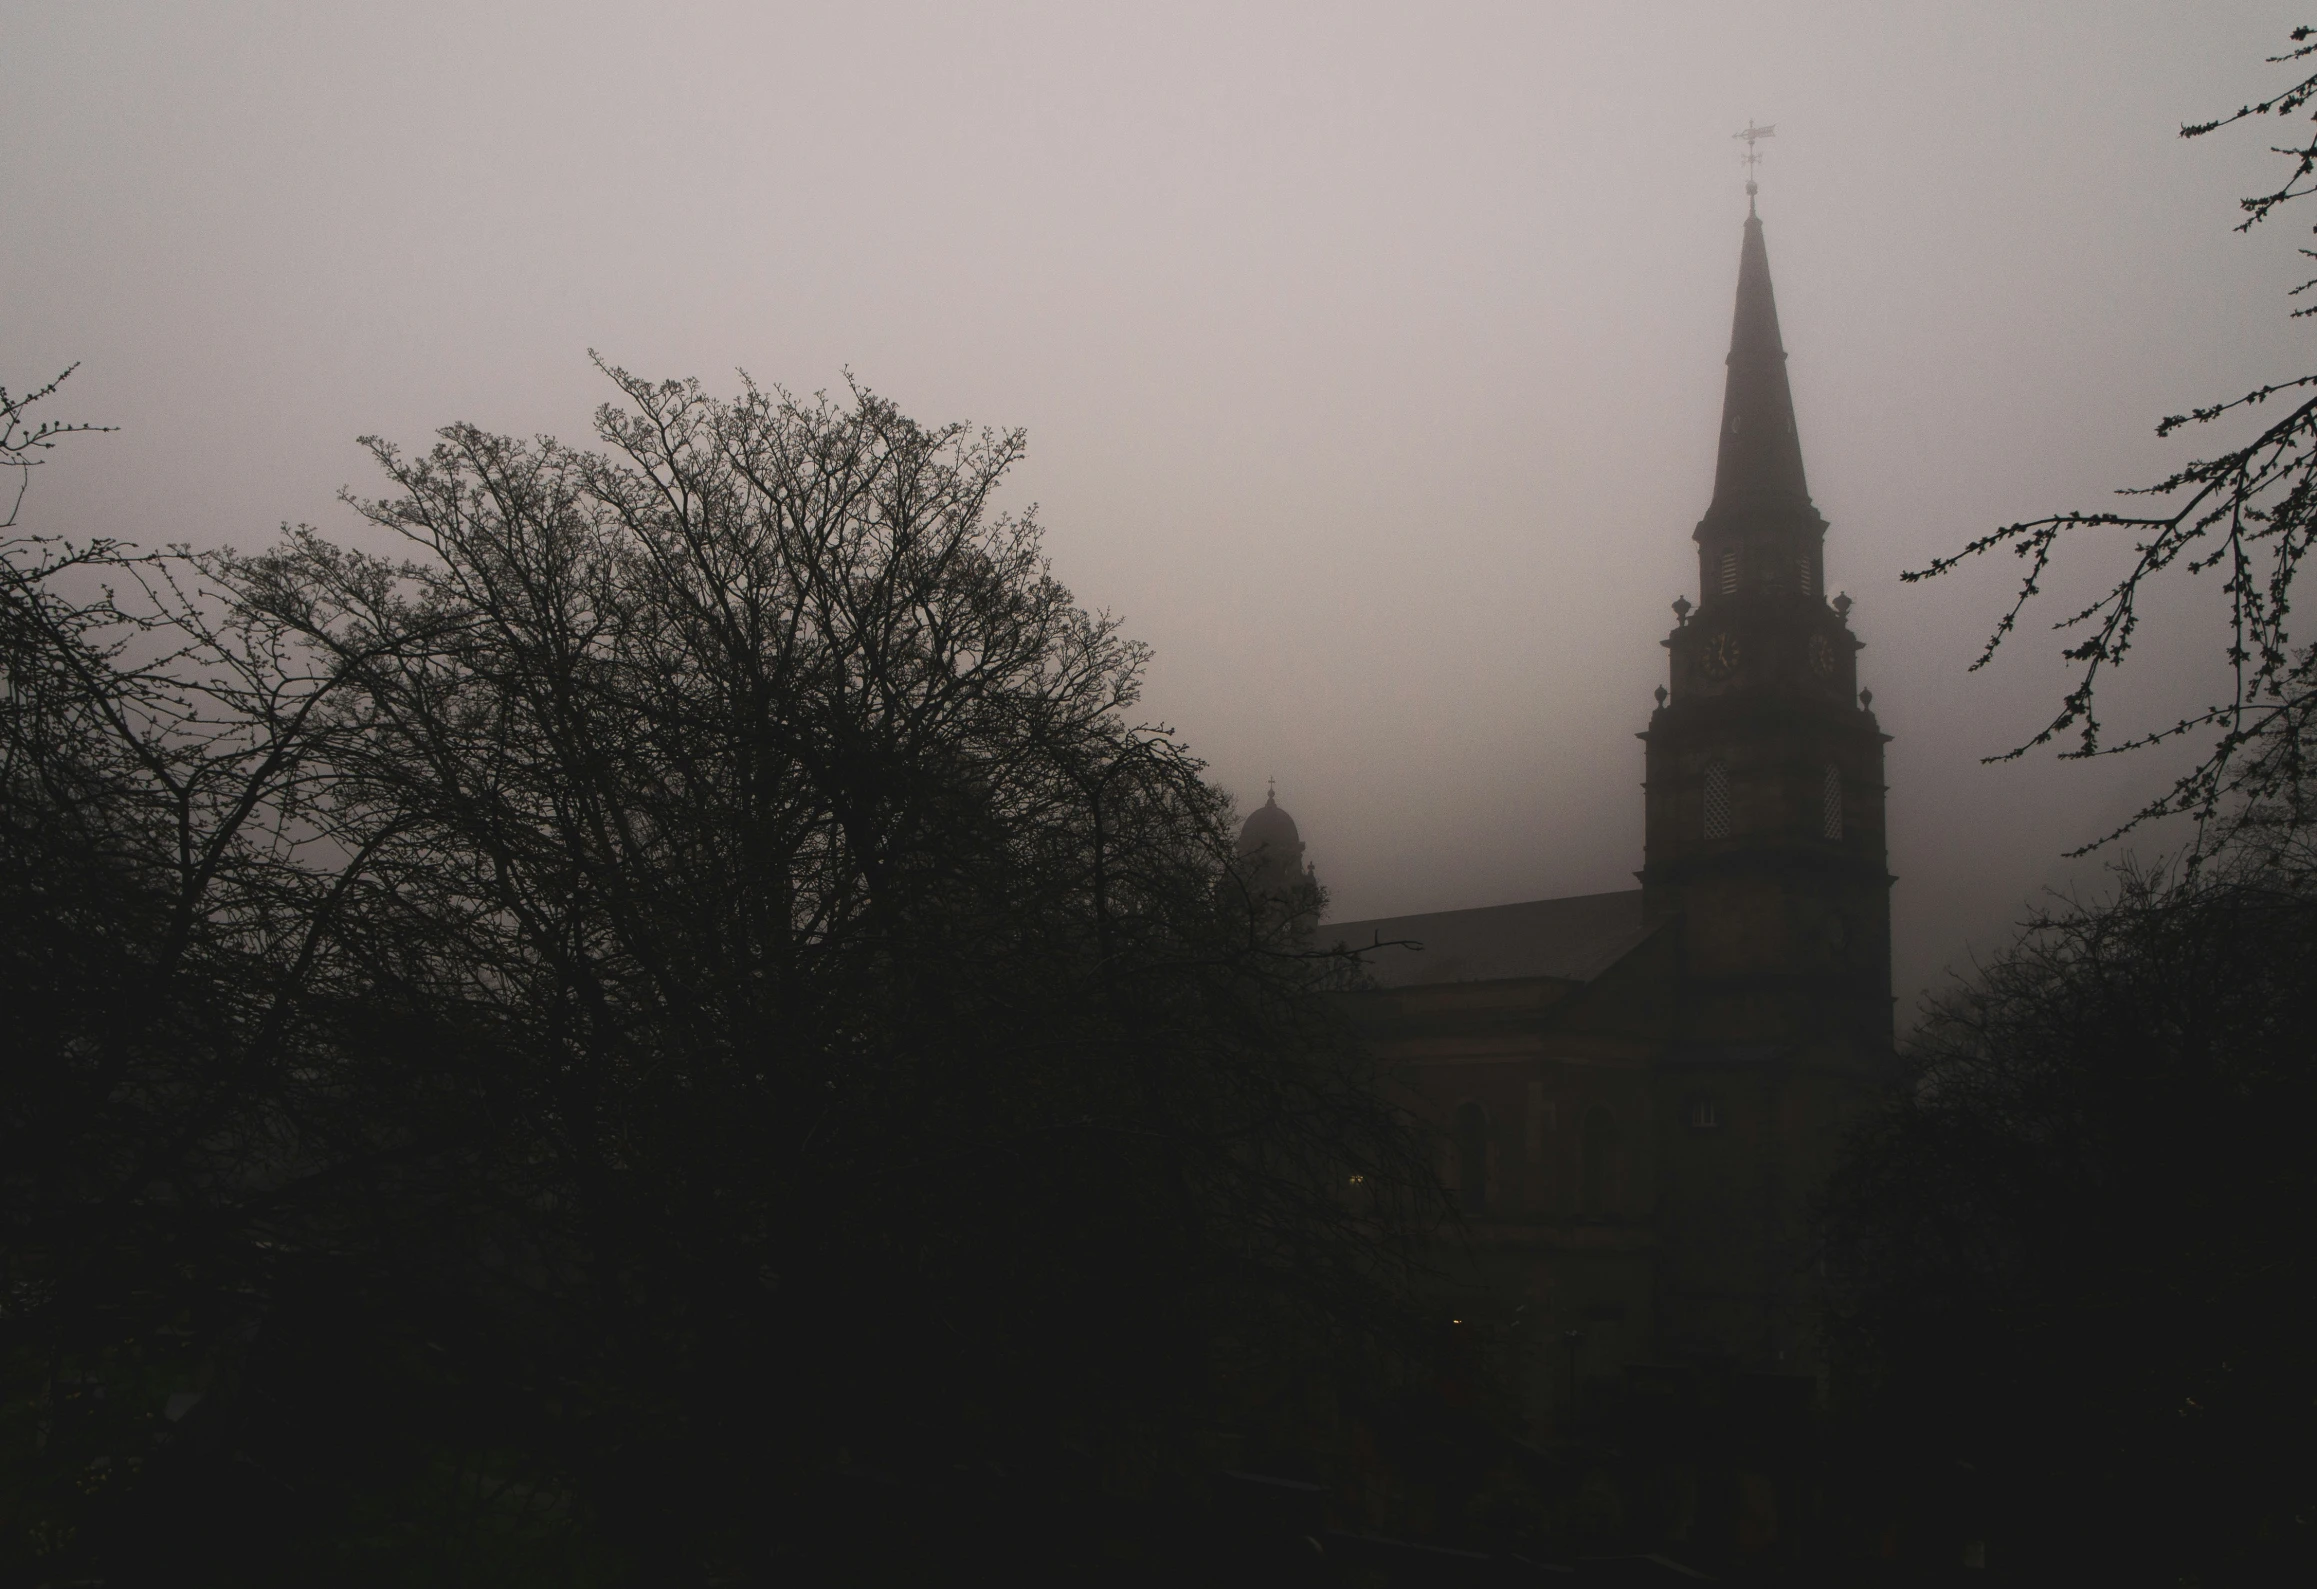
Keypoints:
pixel 1271 860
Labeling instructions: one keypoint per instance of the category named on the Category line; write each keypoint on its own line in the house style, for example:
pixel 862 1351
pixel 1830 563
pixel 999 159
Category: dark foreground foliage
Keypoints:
pixel 2072 1264
pixel 531 1058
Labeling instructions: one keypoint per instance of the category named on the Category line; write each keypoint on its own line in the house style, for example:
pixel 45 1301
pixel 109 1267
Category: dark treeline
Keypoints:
pixel 690 981
pixel 2070 1260
pixel 680 1032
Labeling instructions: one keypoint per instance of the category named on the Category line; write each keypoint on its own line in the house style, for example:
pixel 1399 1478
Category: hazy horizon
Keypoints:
pixel 1369 355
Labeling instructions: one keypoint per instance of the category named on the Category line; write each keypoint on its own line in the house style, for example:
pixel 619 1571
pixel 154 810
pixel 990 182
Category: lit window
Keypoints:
pixel 1730 571
pixel 1830 804
pixel 1717 800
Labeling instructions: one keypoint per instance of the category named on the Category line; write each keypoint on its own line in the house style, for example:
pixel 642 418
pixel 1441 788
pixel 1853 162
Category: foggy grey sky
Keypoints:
pixel 1370 353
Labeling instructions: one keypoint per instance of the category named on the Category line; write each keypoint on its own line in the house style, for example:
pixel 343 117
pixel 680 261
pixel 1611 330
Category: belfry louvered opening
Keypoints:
pixel 1717 825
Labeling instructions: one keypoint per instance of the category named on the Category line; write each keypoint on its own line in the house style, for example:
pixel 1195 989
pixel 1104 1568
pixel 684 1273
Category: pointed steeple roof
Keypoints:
pixel 1758 475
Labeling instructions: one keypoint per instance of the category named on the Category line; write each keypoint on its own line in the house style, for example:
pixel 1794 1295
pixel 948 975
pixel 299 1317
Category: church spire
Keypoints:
pixel 1758 476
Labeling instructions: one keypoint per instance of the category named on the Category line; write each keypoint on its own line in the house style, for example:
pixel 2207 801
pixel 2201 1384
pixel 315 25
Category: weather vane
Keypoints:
pixel 1752 138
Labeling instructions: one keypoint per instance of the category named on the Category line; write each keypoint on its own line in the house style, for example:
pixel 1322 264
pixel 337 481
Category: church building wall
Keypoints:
pixel 1648 1086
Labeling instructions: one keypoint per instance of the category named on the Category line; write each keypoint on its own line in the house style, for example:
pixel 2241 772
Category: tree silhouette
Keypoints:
pixel 2066 1263
pixel 694 972
pixel 2248 513
pixel 23 438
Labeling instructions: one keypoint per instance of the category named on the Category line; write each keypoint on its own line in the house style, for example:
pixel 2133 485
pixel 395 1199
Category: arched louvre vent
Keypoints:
pixel 1717 800
pixel 1830 815
pixel 1730 571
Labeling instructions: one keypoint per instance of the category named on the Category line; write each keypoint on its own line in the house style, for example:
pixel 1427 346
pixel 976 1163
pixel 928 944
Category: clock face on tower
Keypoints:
pixel 1822 656
pixel 1719 657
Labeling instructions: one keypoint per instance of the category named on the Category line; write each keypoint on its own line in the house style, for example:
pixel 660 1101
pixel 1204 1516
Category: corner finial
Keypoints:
pixel 1752 138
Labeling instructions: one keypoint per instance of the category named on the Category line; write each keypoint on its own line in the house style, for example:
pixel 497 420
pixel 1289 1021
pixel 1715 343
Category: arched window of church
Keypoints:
pixel 1717 800
pixel 1472 1157
pixel 1830 803
pixel 1729 571
pixel 1806 574
pixel 1598 1174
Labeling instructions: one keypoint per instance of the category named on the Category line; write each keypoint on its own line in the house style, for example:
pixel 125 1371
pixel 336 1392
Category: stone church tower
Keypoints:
pixel 1635 1093
pixel 1765 858
pixel 1765 768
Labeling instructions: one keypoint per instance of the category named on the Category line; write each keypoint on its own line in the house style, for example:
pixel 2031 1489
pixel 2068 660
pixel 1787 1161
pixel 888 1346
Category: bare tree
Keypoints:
pixel 24 438
pixel 168 893
pixel 717 974
pixel 2249 514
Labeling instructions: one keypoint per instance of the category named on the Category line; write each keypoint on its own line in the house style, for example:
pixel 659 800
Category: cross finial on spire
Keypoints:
pixel 1752 138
